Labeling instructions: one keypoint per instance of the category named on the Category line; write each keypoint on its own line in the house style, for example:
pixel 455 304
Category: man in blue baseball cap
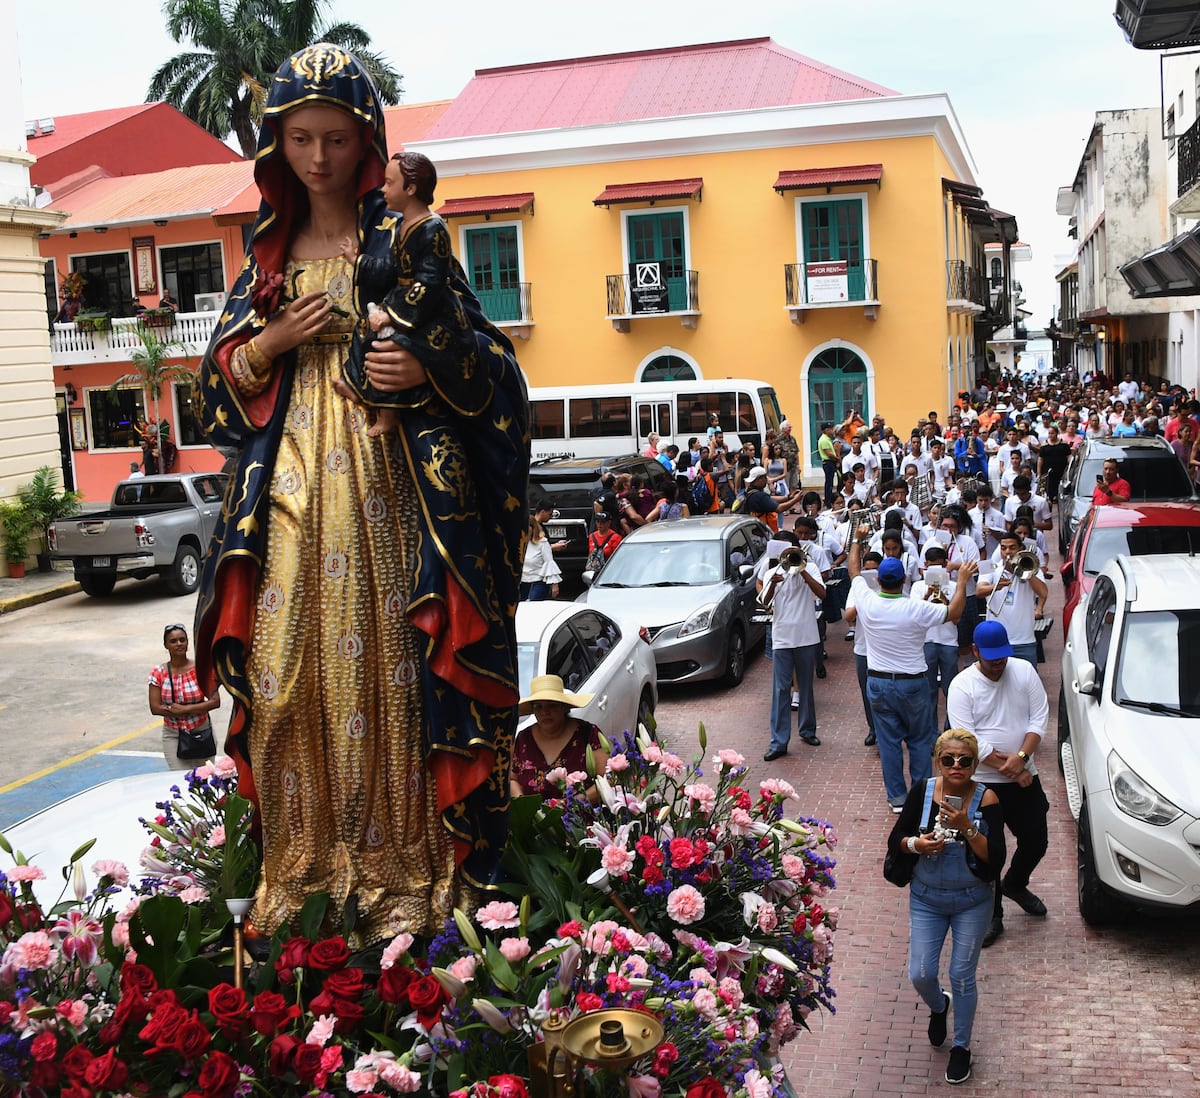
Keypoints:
pixel 1003 702
pixel 897 687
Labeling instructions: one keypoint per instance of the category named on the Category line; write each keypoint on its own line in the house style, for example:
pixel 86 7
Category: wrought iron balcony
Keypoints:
pixel 82 342
pixel 683 300
pixel 964 288
pixel 510 308
pixel 1187 163
pixel 806 287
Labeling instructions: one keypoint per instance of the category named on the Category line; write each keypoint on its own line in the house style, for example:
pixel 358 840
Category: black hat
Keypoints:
pixel 603 515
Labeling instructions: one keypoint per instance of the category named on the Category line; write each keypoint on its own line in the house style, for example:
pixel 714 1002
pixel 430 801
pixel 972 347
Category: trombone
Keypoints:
pixel 1022 568
pixel 793 559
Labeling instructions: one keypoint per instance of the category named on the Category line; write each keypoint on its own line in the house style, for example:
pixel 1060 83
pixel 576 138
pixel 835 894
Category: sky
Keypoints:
pixel 1025 77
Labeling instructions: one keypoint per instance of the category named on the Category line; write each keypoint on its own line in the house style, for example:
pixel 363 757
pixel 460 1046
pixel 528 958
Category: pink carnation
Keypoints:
pixel 673 766
pixel 705 1003
pixel 685 905
pixel 361 1081
pixel 794 868
pixel 730 760
pixel 617 860
pixel 498 915
pixel 400 1078
pixel 617 763
pixel 396 949
pixel 25 873
pixel 741 823
pixel 464 968
pixel 216 837
pixel 194 895
pixel 73 1010
pixel 704 796
pixel 515 949
pixel 322 1030
pixel 108 867
pixel 224 767
pixel 777 787
pixel 556 776
pixel 34 950
pixel 768 918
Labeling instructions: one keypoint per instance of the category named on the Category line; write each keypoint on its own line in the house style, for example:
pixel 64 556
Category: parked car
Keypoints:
pixel 1129 736
pixel 571 484
pixel 593 653
pixel 1152 468
pixel 157 525
pixel 1135 529
pixel 692 582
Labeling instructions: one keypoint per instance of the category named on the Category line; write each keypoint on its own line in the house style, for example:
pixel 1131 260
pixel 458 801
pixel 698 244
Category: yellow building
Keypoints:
pixel 809 228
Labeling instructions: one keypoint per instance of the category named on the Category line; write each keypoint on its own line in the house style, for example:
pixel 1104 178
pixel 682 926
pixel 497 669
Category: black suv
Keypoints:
pixel 571 484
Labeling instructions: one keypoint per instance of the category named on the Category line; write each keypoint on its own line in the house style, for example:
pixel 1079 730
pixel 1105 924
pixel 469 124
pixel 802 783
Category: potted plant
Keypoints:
pixel 18 524
pixel 45 503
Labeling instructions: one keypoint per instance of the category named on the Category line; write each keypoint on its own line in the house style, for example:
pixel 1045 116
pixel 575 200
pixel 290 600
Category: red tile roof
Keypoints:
pixel 411 122
pixel 69 128
pixel 748 74
pixel 646 192
pixel 487 204
pixel 828 177
pixel 177 192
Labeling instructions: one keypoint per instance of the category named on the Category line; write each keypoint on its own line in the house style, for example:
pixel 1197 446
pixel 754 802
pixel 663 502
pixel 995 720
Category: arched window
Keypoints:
pixel 997 271
pixel 668 368
pixel 837 383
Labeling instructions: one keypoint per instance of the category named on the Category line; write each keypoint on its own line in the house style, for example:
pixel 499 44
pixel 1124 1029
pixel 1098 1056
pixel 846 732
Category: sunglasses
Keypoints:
pixel 963 762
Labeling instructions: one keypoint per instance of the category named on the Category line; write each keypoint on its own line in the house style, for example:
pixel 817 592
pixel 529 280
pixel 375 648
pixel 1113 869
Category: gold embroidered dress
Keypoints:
pixel 348 804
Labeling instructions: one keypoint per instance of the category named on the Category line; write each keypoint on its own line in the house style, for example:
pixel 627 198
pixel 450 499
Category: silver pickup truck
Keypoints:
pixel 156 526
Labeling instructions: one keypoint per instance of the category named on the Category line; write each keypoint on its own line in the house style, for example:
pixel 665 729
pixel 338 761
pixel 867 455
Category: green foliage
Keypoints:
pixel 18 525
pixel 236 47
pixel 168 936
pixel 46 504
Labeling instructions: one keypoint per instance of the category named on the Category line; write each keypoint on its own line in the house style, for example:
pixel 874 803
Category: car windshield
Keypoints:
pixel 1155 474
pixel 1138 541
pixel 663 564
pixel 527 661
pixel 1159 654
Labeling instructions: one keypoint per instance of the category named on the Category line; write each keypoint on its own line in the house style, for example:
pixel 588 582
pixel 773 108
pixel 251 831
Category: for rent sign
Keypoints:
pixel 827 281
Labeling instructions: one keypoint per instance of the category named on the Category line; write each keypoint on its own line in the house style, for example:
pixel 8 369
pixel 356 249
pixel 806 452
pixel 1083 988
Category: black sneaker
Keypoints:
pixel 869 740
pixel 937 1023
pixel 959 1068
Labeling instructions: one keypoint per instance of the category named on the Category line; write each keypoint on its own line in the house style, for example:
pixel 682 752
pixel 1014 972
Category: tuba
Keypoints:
pixel 1022 568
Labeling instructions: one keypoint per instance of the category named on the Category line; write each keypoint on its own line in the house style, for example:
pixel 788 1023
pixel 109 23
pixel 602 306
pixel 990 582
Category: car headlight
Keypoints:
pixel 1136 797
pixel 699 621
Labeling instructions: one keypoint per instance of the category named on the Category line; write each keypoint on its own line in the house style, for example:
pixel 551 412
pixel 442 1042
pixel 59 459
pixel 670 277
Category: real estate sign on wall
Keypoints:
pixel 827 281
pixel 648 288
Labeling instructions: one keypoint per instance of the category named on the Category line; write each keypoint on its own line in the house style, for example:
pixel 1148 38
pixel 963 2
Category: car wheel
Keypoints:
pixel 1064 724
pixel 183 577
pixel 735 657
pixel 645 713
pixel 97 584
pixel 1097 906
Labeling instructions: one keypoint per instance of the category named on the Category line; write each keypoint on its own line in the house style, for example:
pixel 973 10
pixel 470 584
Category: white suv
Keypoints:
pixel 1129 736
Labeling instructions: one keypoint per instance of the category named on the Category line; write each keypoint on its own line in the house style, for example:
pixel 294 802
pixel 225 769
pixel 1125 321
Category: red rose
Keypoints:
pixel 106 1072
pixel 282 1054
pixel 45 1046
pixel 266 294
pixel 349 1015
pixel 393 985
pixel 508 1086
pixel 307 1062
pixel 586 1002
pixel 137 980
pixel 76 1062
pixel 45 1076
pixel 227 1004
pixel 163 1024
pixel 329 955
pixel 427 997
pixel 76 1092
pixel 347 984
pixel 29 916
pixel 707 1087
pixel 219 1076
pixel 7 909
pixel 294 955
pixel 192 1038
pixel 271 1011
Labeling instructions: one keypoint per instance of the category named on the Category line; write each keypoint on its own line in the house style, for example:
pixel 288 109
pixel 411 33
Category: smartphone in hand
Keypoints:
pixel 952 802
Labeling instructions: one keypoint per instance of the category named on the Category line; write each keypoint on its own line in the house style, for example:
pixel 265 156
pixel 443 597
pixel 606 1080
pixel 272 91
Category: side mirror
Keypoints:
pixel 745 572
pixel 1086 681
pixel 1067 571
pixel 587 578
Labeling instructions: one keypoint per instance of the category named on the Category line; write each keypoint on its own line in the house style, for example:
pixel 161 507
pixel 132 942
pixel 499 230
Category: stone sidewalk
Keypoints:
pixel 32 588
pixel 1063 1009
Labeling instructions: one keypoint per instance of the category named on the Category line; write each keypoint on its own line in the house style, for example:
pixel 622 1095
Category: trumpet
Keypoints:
pixel 1022 568
pixel 936 578
pixel 793 559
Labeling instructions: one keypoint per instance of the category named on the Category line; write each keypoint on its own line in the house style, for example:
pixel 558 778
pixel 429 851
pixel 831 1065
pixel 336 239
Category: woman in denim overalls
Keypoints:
pixel 958 850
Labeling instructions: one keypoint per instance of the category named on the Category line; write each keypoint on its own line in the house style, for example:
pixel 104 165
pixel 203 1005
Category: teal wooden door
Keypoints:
pixel 658 237
pixel 833 230
pixel 837 383
pixel 493 267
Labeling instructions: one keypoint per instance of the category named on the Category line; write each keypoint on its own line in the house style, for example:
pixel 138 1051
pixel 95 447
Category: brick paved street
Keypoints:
pixel 1064 1009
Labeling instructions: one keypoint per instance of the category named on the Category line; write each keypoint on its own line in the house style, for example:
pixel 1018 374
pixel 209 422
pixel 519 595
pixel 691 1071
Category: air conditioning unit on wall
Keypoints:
pixel 210 303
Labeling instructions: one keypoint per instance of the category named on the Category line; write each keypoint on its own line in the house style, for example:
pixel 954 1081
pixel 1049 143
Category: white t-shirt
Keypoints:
pixel 947 632
pixel 1129 390
pixel 869 462
pixel 794 624
pixel 1041 509
pixel 860 589
pixel 1002 454
pixel 962 548
pixel 999 713
pixel 943 470
pixel 1014 610
pixel 895 629
pixel 922 461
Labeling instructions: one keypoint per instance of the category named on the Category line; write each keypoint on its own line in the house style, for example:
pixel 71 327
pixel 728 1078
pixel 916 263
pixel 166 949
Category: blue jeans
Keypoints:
pixel 902 715
pixel 965 913
pixel 940 660
pixel 784 663
pixel 860 665
pixel 536 591
pixel 1026 652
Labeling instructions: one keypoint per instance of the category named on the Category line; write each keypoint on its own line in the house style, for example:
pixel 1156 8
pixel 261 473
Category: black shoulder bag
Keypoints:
pixel 194 743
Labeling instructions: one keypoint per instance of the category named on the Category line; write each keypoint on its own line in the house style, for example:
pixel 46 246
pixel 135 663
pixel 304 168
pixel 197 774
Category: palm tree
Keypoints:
pixel 222 84
pixel 152 369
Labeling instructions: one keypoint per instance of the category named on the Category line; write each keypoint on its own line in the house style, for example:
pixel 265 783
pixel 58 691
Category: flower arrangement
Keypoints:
pixel 73 285
pixel 679 898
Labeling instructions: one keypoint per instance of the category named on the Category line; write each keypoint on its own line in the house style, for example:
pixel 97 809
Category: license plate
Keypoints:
pixel 556 531
pixel 101 562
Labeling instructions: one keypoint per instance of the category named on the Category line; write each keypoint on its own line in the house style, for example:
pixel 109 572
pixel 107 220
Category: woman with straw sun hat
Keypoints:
pixel 556 740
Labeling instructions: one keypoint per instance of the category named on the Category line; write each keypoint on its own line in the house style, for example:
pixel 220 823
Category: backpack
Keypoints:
pixel 739 503
pixel 702 494
pixel 596 558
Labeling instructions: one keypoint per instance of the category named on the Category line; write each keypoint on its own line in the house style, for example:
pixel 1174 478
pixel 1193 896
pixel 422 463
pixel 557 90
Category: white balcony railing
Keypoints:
pixel 72 346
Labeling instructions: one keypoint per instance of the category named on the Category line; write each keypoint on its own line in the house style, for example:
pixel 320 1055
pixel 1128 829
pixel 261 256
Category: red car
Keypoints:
pixel 1135 529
